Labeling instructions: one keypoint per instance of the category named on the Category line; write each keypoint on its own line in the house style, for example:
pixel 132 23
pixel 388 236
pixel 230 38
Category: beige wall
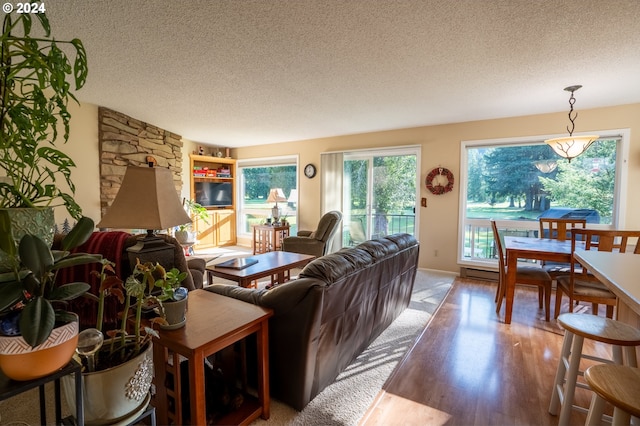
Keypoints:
pixel 440 146
pixel 82 147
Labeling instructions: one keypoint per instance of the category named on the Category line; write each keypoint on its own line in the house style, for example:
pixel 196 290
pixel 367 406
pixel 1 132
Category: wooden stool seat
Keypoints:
pixel 623 338
pixel 617 385
pixel 603 330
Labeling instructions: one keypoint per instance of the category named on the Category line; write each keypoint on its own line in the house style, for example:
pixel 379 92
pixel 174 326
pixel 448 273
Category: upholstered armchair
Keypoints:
pixel 318 242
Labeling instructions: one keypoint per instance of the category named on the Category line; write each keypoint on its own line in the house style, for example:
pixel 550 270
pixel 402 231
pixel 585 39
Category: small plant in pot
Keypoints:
pixel 183 233
pixel 32 303
pixel 173 298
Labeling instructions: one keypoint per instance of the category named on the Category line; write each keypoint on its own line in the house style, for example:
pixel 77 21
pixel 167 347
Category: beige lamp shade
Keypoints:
pixel 571 146
pixel 147 200
pixel 276 195
pixel 293 196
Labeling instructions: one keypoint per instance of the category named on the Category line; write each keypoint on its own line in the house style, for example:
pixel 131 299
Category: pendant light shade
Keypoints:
pixel 571 146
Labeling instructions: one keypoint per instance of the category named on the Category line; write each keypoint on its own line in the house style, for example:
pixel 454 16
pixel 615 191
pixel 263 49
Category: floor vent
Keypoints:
pixel 478 274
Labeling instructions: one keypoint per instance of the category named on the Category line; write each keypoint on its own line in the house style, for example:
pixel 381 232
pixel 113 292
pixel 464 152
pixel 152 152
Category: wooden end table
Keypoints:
pixel 268 238
pixel 214 322
pixel 275 264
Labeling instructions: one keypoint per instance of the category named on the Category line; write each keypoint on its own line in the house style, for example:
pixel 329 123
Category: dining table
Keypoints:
pixel 530 248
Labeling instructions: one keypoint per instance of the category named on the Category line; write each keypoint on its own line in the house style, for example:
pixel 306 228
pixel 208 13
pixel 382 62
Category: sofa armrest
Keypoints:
pixel 304 233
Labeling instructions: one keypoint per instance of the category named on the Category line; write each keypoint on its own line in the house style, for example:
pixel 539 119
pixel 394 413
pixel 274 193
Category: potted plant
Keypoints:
pixel 196 211
pixel 32 303
pixel 173 298
pixel 36 75
pixel 118 370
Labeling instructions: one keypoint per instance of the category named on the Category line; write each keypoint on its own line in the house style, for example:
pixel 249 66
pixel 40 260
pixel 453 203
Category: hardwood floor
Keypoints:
pixel 469 368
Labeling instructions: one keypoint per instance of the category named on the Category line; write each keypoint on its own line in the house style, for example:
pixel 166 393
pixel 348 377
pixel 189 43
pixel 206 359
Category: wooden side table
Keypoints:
pixel 214 322
pixel 268 238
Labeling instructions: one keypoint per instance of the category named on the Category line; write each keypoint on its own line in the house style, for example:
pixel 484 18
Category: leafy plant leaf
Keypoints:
pixel 69 291
pixel 79 234
pixel 35 255
pixel 36 321
pixel 10 294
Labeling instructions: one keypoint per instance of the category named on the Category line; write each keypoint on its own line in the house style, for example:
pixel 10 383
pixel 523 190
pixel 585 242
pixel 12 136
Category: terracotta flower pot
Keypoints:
pixel 19 361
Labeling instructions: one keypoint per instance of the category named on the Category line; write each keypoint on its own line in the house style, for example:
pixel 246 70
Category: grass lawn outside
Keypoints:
pixel 500 211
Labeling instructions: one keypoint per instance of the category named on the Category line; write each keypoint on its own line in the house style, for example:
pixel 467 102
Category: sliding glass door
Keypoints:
pixel 379 194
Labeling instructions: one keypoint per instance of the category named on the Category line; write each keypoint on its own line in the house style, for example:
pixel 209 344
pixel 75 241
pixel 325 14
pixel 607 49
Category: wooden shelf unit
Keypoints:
pixel 221 227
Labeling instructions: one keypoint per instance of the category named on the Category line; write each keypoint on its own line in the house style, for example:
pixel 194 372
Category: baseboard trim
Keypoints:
pixel 478 274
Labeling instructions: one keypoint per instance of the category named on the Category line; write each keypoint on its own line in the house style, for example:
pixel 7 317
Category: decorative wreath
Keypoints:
pixel 439 189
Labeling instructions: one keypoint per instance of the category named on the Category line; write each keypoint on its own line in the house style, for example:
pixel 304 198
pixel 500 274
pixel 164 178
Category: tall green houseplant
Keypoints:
pixel 35 89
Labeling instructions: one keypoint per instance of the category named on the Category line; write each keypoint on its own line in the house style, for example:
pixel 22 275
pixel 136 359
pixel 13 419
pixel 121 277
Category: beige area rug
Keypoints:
pixel 342 403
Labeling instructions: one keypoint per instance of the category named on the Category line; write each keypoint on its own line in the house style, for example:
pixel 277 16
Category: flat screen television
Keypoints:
pixel 214 194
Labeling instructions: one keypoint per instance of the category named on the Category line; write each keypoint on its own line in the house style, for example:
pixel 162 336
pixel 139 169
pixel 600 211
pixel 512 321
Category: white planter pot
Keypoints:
pixel 174 312
pixel 116 394
pixel 185 237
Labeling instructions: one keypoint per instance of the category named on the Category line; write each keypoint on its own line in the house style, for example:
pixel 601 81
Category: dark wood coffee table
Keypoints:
pixel 275 264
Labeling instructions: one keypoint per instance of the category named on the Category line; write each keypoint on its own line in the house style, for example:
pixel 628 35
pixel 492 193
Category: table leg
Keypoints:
pixel 79 398
pixel 512 268
pixel 43 405
pixel 56 396
pixel 160 377
pixel 197 393
pixel 263 369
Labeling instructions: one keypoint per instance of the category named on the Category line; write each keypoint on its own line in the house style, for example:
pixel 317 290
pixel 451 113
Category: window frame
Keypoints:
pixel 285 160
pixel 620 189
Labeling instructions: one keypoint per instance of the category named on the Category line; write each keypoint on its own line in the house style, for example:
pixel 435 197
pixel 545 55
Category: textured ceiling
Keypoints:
pixel 245 72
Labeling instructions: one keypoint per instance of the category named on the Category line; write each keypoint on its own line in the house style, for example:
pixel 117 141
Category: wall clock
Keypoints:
pixel 309 170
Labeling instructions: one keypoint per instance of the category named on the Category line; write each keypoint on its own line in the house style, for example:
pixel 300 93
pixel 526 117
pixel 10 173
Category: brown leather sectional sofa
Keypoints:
pixel 327 316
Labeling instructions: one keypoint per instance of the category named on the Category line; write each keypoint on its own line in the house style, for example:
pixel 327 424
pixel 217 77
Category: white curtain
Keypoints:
pixel 331 167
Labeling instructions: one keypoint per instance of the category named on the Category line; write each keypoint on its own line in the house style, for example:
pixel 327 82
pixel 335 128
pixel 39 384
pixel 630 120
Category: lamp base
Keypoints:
pixel 152 248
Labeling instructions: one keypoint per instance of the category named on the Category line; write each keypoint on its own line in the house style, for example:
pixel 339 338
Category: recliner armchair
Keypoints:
pixel 318 242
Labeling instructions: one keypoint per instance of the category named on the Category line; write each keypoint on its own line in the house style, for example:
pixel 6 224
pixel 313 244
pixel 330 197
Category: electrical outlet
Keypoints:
pixel 435 253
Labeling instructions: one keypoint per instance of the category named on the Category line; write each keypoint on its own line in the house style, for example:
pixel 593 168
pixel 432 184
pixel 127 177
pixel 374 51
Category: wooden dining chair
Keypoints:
pixel 525 274
pixel 558 229
pixel 582 286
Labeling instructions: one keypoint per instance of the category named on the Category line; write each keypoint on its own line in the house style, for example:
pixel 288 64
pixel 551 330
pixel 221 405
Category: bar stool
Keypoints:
pixel 623 338
pixel 617 385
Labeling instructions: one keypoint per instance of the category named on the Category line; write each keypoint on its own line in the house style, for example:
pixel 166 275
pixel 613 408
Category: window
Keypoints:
pixel 257 178
pixel 518 181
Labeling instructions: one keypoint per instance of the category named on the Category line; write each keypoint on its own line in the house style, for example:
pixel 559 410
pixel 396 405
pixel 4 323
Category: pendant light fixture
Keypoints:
pixel 571 146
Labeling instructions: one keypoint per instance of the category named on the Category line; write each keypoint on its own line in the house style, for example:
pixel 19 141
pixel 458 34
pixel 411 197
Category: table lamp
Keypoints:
pixel 276 195
pixel 147 199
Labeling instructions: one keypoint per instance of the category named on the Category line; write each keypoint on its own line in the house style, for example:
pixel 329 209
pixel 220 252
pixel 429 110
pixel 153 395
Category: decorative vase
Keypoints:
pixel 19 361
pixel 174 311
pixel 117 394
pixel 36 221
pixel 185 237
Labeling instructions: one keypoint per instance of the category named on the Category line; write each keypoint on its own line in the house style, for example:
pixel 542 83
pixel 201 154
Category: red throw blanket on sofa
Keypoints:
pixel 110 245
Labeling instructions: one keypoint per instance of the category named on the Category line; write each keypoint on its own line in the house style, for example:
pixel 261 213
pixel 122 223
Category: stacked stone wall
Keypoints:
pixel 125 141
